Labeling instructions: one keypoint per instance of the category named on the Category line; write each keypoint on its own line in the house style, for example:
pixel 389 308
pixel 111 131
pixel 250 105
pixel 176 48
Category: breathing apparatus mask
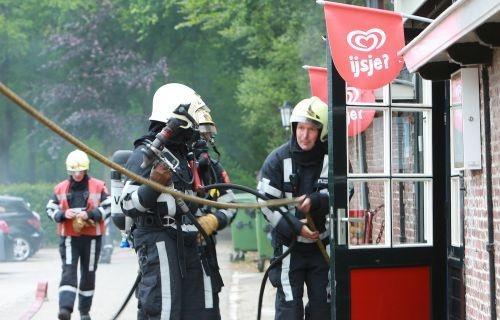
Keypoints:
pixel 187 120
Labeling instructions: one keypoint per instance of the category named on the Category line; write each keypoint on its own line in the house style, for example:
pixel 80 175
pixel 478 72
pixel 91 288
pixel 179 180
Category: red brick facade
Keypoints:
pixel 475 215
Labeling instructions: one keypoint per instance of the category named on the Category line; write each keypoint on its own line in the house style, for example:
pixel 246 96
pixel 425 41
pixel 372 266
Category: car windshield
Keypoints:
pixel 12 206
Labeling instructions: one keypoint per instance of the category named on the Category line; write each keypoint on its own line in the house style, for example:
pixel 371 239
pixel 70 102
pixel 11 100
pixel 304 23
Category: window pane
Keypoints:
pixel 457 141
pixel 409 216
pixel 407 88
pixel 366 213
pixel 408 129
pixel 365 141
pixel 356 96
pixel 456 213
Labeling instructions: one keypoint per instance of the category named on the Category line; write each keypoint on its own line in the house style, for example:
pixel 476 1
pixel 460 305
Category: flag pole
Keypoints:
pixel 418 18
pixel 408 16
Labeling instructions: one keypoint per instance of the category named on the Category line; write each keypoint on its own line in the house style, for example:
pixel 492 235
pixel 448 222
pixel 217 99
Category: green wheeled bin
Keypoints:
pixel 243 229
pixel 263 234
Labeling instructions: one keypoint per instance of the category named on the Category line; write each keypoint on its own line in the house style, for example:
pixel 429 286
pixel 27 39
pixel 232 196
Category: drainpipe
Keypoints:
pixel 490 246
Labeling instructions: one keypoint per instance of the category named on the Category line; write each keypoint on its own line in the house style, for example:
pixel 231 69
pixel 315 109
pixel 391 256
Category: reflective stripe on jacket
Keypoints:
pixel 95 188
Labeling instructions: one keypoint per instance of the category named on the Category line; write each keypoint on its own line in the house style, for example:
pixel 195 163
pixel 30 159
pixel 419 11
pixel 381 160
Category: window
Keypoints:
pixel 390 171
pixel 457 207
pixel 13 206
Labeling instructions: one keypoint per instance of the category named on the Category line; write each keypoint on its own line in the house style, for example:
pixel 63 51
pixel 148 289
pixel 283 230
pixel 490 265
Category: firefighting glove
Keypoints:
pixel 161 174
pixel 209 223
pixel 79 224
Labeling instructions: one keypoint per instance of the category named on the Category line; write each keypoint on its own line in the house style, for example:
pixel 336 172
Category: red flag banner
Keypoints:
pixel 318 82
pixel 358 120
pixel 364 43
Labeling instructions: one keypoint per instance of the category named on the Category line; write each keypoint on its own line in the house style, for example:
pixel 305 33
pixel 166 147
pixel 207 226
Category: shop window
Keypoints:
pixel 366 141
pixel 368 213
pixel 409 89
pixel 456 137
pixel 411 207
pixel 366 97
pixel 410 135
pixel 456 218
pixel 390 170
pixel 465 143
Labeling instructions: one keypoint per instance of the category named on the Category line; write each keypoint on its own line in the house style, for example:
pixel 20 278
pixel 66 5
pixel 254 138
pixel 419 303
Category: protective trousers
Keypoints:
pixel 85 249
pixel 163 293
pixel 107 242
pixel 304 264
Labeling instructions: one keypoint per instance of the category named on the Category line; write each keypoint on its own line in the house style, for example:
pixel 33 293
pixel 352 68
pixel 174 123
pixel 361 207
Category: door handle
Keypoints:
pixel 342 227
pixel 353 219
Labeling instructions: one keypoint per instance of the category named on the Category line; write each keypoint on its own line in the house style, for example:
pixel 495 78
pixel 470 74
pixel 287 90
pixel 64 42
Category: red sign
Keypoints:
pixel 318 82
pixel 357 119
pixel 364 43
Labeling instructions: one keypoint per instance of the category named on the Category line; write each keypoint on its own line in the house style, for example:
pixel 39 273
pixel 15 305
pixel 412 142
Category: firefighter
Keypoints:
pixel 78 206
pixel 175 284
pixel 300 168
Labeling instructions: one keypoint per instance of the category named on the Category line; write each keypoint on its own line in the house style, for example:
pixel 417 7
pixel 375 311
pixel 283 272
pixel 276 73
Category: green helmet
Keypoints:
pixel 312 110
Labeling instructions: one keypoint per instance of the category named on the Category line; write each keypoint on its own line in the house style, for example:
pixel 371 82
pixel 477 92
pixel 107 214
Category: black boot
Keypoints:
pixel 64 314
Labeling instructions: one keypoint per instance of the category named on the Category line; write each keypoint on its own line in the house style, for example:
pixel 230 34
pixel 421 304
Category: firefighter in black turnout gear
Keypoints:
pixel 300 168
pixel 177 281
pixel 79 206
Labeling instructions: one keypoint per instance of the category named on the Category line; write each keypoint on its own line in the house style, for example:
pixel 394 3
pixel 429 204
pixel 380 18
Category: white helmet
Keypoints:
pixel 170 96
pixel 312 110
pixel 77 160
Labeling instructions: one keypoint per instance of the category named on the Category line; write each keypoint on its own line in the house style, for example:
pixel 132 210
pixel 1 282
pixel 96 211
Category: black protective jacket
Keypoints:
pixel 291 172
pixel 143 201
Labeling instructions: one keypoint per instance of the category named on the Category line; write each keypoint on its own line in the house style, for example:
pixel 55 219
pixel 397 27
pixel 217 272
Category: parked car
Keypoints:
pixel 4 232
pixel 25 233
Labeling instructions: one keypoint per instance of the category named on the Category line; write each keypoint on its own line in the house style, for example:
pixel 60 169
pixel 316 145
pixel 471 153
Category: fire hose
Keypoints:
pixel 293 240
pixel 102 159
pixel 176 194
pixel 276 261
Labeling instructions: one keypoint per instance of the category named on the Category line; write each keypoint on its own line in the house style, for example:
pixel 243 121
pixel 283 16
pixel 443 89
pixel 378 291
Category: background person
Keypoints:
pixel 78 206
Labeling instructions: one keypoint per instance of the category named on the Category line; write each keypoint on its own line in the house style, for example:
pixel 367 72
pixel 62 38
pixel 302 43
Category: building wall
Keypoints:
pixel 475 214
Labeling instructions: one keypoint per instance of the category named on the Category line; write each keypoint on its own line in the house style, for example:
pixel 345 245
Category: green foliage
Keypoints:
pixel 243 57
pixel 275 38
pixel 235 171
pixel 37 195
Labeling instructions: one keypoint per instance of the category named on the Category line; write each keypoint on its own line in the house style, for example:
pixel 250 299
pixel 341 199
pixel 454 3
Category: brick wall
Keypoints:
pixel 475 215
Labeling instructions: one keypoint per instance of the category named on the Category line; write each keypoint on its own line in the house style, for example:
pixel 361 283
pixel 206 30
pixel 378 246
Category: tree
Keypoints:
pixel 22 26
pixel 276 38
pixel 105 82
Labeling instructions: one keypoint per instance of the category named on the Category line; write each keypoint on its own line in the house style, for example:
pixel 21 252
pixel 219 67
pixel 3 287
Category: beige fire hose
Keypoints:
pixel 96 155
pixel 319 243
pixel 158 187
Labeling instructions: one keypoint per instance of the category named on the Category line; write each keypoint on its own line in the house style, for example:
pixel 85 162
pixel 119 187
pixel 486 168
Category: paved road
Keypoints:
pixel 18 284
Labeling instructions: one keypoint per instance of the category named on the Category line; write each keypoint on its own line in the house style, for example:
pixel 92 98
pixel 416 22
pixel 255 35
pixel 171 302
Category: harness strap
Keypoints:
pixel 180 249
